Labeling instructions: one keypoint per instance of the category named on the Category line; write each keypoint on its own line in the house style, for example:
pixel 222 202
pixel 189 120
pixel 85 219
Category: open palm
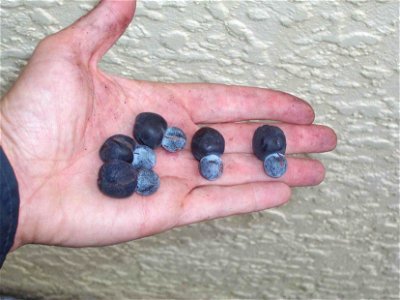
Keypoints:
pixel 63 107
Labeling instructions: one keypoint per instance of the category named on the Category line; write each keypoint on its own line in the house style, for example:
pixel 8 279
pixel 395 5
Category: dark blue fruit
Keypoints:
pixel 143 157
pixel 207 141
pixel 118 147
pixel 149 129
pixel 275 165
pixel 117 179
pixel 211 167
pixel 148 182
pixel 174 139
pixel 267 140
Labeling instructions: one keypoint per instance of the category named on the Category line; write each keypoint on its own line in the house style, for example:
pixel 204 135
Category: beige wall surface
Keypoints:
pixel 336 240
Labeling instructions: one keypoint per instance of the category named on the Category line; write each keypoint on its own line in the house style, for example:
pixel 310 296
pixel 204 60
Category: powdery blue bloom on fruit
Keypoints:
pixel 211 167
pixel 149 129
pixel 174 139
pixel 119 147
pixel 117 179
pixel 148 182
pixel 275 165
pixel 143 157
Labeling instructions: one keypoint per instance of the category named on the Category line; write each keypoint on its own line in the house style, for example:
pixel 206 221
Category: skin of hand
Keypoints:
pixel 63 107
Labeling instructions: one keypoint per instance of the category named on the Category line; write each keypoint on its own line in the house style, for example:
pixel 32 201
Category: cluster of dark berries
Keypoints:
pixel 128 165
pixel 269 145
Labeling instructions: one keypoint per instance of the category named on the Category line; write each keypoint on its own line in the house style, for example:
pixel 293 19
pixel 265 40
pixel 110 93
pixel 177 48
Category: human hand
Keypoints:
pixel 63 107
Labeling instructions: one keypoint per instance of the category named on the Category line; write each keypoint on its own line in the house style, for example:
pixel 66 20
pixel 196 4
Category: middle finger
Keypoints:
pixel 299 138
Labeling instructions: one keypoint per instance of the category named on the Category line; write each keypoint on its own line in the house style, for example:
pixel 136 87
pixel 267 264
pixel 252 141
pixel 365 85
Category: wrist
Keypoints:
pixel 9 206
pixel 10 152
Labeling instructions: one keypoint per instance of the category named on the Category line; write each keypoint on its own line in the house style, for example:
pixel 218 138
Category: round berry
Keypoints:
pixel 143 157
pixel 267 140
pixel 275 165
pixel 211 167
pixel 149 129
pixel 207 141
pixel 117 179
pixel 119 147
pixel 148 182
pixel 174 139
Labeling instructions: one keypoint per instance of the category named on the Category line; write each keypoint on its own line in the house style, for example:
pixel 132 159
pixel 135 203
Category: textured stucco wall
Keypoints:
pixel 337 240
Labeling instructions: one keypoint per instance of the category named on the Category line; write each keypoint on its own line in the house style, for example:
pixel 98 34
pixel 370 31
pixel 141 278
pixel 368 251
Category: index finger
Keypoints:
pixel 219 103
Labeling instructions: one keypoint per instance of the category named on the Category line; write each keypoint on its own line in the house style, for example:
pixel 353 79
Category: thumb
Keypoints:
pixel 96 32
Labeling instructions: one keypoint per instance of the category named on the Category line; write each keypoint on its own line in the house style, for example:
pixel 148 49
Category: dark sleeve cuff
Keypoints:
pixel 9 206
